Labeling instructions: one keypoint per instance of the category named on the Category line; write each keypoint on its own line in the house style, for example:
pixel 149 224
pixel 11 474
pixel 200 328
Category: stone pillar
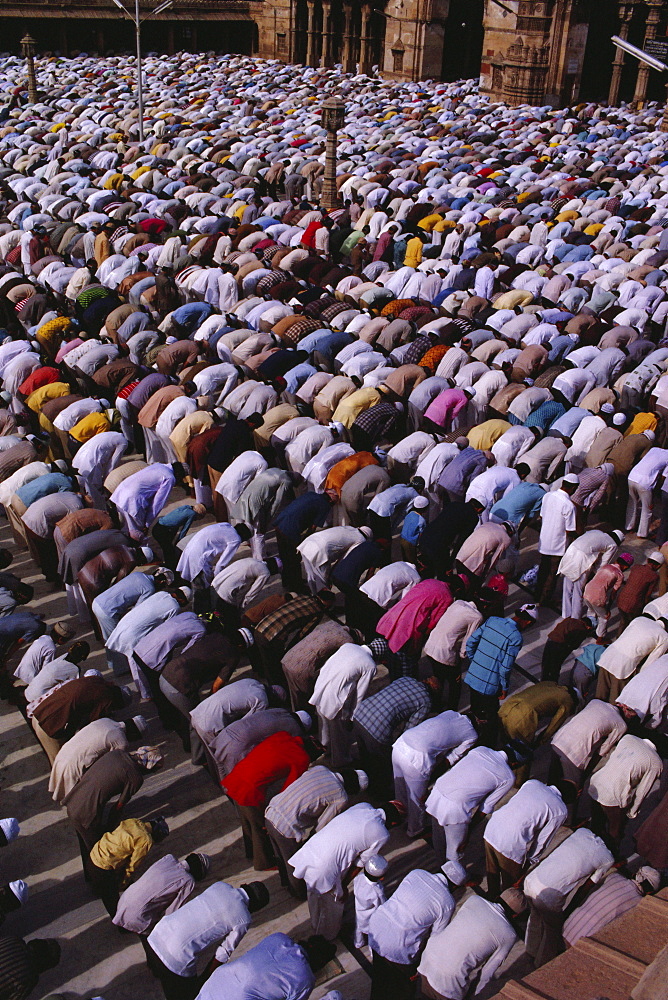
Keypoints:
pixel 333 119
pixel 348 54
pixel 365 50
pixel 650 34
pixel 664 121
pixel 326 55
pixel 310 48
pixel 625 15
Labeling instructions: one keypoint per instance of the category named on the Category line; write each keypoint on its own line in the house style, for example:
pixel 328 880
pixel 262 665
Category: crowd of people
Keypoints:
pixel 313 478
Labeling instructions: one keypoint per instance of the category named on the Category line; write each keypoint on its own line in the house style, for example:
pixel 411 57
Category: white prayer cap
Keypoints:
pixel 376 865
pixel 20 890
pixel 305 719
pixel 11 829
pixel 657 558
pixel 420 503
pixel 454 872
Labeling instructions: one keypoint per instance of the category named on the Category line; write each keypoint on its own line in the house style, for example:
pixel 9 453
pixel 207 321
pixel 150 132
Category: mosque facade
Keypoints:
pixel 555 52
pixel 548 52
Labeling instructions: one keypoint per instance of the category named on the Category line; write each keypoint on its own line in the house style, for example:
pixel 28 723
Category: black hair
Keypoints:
pixel 568 791
pixel 44 953
pixel 351 781
pixel 318 951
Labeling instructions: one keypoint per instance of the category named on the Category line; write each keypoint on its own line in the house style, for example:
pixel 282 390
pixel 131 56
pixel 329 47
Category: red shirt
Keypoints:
pixel 279 758
pixel 38 378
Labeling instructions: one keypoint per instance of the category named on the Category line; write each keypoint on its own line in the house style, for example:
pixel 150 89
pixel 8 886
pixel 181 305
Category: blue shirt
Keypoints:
pixel 492 650
pixel 19 625
pixel 522 501
pixel 44 486
pixel 414 525
pixel 545 414
pixel 569 422
pixel 192 315
pixel 304 512
pixel 179 519
pixel 121 596
pixel 275 969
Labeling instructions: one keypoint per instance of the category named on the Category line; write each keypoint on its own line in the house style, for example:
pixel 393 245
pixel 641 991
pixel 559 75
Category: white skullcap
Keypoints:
pixel 529 611
pixel 571 478
pixel 187 592
pixel 11 829
pixel 140 722
pixel 20 890
pixel 247 636
pixel 421 502
pixel 376 865
pixel 657 558
pixel 147 552
pixel 651 875
pixel 618 419
pixel 305 719
pixel 607 408
pixel 363 780
pixel 650 435
pixel 454 872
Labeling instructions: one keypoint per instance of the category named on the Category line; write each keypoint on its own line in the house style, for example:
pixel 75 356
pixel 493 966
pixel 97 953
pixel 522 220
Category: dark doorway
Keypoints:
pixel 462 44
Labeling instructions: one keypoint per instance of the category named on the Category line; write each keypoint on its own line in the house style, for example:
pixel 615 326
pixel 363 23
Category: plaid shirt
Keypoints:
pixel 401 705
pixel 318 306
pixel 377 421
pixel 266 283
pixel 328 314
pixel 415 350
pixel 492 650
pixel 298 616
pixel 298 330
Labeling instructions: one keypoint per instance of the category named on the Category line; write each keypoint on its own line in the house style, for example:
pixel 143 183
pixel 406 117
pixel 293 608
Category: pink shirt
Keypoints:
pixel 446 405
pixel 604 585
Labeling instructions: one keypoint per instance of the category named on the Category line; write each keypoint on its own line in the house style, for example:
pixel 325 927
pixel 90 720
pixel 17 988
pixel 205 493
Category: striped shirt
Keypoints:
pixel 308 803
pixel 492 650
pixel 613 899
pixel 17 970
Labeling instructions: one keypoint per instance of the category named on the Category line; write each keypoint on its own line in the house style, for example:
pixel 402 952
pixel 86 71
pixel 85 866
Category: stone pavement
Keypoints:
pixel 96 957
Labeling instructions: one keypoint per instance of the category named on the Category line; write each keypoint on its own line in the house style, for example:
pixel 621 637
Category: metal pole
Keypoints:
pixel 140 83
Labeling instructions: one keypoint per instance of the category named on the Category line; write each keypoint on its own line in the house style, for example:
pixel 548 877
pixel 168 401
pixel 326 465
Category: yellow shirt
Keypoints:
pixel 642 422
pixel 515 297
pixel 126 846
pixel 429 222
pixel 115 182
pixel 413 252
pixel 484 435
pixel 53 331
pixel 351 406
pixel 36 400
pixel 89 426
